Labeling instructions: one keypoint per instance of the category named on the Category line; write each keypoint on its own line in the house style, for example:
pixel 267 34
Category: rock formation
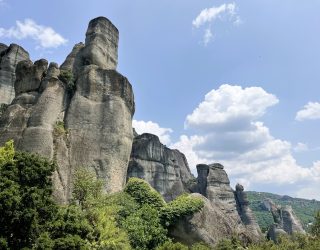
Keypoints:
pixel 165 169
pixel 285 221
pixel 246 214
pixel 79 115
pixel 225 212
pixel 9 58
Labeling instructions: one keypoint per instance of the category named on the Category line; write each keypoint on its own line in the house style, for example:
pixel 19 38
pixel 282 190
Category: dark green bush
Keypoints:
pixel 172 246
pixel 66 76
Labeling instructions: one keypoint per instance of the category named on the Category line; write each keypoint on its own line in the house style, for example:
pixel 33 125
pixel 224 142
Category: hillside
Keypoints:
pixel 303 208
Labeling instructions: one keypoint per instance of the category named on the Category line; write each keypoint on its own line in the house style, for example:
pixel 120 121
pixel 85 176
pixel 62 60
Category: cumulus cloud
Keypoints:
pixel 44 36
pixel 153 128
pixel 228 130
pixel 310 111
pixel 230 108
pixel 208 16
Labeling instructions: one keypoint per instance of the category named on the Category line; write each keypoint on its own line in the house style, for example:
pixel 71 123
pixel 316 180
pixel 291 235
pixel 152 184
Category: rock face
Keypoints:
pixel 246 214
pixel 165 169
pixel 9 58
pixel 285 221
pixel 82 121
pixel 210 225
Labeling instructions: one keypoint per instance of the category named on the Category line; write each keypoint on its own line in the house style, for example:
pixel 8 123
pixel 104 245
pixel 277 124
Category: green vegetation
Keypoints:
pixel 59 129
pixel 66 76
pixel 134 219
pixel 304 209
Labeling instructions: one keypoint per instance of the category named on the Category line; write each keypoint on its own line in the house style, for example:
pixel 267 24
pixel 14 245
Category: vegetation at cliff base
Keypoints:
pixel 137 218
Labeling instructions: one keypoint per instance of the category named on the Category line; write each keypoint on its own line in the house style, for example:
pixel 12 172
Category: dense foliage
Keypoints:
pixel 304 209
pixel 134 219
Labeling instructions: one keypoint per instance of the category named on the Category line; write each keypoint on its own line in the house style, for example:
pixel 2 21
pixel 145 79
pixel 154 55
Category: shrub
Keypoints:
pixel 183 205
pixel 144 228
pixel 87 189
pixel 143 193
pixel 66 76
pixel 59 128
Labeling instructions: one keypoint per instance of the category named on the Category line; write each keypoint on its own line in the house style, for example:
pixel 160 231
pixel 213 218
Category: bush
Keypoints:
pixel 143 193
pixel 59 129
pixel 144 228
pixel 66 76
pixel 183 205
pixel 87 189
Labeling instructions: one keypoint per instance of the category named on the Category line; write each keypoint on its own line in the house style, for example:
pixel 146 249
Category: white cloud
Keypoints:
pixel 153 128
pixel 209 15
pixel 231 108
pixel 228 131
pixel 207 36
pixel 310 111
pixel 45 36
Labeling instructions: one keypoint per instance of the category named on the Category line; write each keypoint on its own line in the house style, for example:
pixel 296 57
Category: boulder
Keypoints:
pixel 9 58
pixel 210 225
pixel 166 170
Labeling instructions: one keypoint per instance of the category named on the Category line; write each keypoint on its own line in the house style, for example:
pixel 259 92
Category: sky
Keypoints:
pixel 235 82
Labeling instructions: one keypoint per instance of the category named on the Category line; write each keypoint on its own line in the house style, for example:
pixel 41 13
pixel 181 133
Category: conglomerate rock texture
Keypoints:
pixel 9 58
pixel 84 121
pixel 165 169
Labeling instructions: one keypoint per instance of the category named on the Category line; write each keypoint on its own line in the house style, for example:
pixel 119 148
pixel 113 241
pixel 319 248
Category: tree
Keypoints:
pixel 25 197
pixel 315 228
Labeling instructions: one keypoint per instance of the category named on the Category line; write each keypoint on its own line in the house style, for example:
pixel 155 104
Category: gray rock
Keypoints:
pixel 69 63
pixel 165 169
pixel 246 214
pixel 29 75
pixel 210 225
pixel 9 58
pixel 284 220
pixel 213 183
pixel 290 222
pixel 90 126
pixel 275 232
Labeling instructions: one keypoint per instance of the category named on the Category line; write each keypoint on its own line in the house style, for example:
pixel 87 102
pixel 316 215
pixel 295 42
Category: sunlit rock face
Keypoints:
pixel 10 56
pixel 83 122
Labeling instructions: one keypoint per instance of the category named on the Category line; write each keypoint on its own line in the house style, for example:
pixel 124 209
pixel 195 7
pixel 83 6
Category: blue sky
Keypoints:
pixel 229 81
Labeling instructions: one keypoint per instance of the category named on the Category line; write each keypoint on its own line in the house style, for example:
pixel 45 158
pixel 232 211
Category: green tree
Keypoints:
pixel 315 228
pixel 144 228
pixel 25 197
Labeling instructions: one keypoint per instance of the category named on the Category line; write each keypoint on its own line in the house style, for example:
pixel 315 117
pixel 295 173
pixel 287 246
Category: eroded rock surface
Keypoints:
pixel 9 58
pixel 165 169
pixel 285 221
pixel 81 120
pixel 209 225
pixel 246 214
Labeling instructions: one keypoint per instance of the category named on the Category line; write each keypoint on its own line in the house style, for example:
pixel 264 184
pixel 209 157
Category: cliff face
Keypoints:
pixel 84 121
pixel 9 58
pixel 165 169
